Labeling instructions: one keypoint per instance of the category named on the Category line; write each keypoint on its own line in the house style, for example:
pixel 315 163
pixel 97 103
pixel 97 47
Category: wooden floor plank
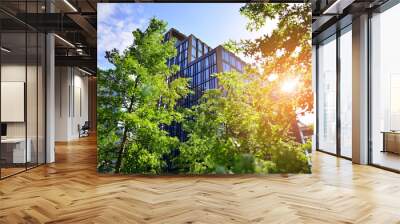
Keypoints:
pixel 71 191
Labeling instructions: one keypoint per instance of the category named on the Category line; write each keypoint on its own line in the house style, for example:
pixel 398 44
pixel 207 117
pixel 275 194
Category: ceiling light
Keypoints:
pixel 70 5
pixel 64 40
pixel 337 7
pixel 84 71
pixel 5 50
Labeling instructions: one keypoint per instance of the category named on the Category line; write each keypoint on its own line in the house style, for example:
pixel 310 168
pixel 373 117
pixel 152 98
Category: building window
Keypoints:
pixel 232 60
pixel 225 56
pixel 200 49
pixel 199 66
pixel 194 42
pixel 226 67
pixel 193 54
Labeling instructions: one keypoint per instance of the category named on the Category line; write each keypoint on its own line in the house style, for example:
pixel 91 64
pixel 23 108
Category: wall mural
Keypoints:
pixel 204 88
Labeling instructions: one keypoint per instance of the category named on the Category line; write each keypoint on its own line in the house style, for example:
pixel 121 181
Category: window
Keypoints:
pixel 225 67
pixel 200 49
pixel 195 80
pixel 207 86
pixel 211 58
pixel 212 83
pixel 194 52
pixel 327 95
pixel 193 42
pixel 232 61
pixel 385 88
pixel 346 93
pixel 207 74
pixel 239 65
pixel 225 56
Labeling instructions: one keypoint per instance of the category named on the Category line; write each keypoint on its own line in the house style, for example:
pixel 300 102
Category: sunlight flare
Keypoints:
pixel 290 85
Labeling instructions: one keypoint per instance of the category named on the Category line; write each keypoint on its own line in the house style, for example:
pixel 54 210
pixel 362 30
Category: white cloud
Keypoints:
pixel 114 27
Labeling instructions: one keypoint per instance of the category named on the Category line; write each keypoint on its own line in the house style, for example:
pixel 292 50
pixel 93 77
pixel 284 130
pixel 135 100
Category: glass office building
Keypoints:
pixel 198 61
pixel 357 78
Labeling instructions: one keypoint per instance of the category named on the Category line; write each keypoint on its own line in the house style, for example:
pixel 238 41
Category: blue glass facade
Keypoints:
pixel 199 62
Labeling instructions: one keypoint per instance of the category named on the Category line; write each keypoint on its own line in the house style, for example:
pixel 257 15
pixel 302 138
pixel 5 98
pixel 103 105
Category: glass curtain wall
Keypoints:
pixel 346 92
pixel 22 90
pixel 385 89
pixel 327 95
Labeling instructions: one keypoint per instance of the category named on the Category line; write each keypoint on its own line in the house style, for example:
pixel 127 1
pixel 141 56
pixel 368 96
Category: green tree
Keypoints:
pixel 285 52
pixel 239 128
pixel 136 100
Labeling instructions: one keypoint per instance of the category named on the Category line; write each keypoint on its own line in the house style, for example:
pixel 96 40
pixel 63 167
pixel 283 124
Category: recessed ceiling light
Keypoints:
pixel 64 40
pixel 5 50
pixel 86 72
pixel 70 5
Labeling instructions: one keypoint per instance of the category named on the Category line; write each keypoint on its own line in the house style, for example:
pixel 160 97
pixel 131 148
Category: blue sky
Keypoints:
pixel 212 23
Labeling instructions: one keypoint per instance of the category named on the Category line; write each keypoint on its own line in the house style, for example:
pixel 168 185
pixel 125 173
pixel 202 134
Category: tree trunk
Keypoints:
pixel 121 151
pixel 125 136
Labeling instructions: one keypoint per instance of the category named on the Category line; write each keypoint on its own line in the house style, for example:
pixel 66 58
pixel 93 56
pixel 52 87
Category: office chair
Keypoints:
pixel 84 130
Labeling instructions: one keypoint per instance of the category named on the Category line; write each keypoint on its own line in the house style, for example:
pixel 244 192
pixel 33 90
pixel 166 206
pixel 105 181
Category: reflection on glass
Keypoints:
pixel 14 153
pixel 31 99
pixel 22 91
pixel 41 99
pixel 327 95
pixel 346 94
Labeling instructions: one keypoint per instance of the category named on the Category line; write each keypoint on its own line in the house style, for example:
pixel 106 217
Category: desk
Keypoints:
pixel 391 141
pixel 15 148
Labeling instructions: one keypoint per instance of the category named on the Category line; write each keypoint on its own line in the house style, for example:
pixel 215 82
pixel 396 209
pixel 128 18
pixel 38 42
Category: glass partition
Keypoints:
pixel 31 98
pixel 41 91
pixel 22 100
pixel 13 94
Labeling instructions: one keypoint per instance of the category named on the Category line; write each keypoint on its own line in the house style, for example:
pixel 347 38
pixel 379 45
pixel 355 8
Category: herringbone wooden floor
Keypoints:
pixel 70 191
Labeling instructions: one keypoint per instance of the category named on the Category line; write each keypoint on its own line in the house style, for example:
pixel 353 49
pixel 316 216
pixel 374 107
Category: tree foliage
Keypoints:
pixel 286 51
pixel 135 101
pixel 239 128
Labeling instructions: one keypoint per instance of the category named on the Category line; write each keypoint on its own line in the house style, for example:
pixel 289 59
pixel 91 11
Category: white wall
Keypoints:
pixel 9 73
pixel 33 127
pixel 71 94
pixel 62 82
